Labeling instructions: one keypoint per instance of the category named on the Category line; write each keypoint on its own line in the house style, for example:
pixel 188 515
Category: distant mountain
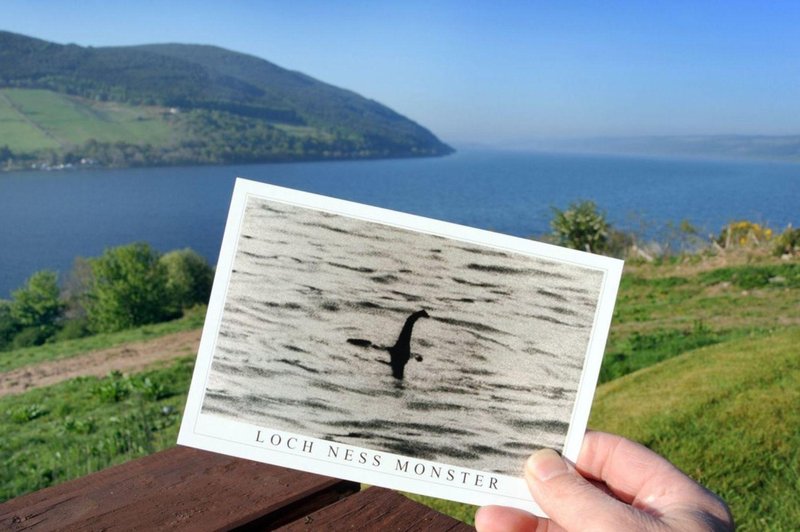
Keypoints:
pixel 216 106
pixel 761 147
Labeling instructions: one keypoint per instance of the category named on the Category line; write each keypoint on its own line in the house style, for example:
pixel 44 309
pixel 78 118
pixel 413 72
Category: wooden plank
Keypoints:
pixel 376 509
pixel 180 488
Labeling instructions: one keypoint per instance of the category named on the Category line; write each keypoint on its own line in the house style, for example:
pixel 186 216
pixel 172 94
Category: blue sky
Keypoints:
pixel 494 72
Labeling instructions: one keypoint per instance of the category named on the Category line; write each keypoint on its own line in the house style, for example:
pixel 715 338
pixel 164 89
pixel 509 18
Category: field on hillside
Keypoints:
pixel 32 120
pixel 701 366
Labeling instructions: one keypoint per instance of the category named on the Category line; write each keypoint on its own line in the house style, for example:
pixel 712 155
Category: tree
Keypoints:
pixel 582 227
pixel 75 287
pixel 36 304
pixel 35 309
pixel 127 289
pixel 189 279
pixel 8 327
pixel 5 153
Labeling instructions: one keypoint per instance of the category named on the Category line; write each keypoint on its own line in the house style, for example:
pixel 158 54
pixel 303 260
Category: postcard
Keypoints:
pixel 395 350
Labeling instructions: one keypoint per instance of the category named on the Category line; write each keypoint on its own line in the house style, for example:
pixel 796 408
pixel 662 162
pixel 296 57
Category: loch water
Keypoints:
pixel 49 218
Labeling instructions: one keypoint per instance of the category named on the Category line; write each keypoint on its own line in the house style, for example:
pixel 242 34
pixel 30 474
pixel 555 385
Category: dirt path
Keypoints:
pixel 126 358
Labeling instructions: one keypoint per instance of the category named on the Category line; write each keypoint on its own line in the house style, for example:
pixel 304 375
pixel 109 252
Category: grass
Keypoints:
pixel 34 119
pixel 665 310
pixel 17 132
pixel 640 350
pixel 707 375
pixel 193 319
pixel 71 429
pixel 727 415
pixel 785 275
pixel 304 131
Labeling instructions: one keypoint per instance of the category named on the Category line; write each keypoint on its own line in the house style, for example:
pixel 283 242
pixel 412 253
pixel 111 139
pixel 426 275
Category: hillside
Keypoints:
pixel 701 366
pixel 175 104
pixel 728 416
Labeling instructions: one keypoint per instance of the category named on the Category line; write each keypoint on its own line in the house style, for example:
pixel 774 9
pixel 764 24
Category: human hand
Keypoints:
pixel 616 485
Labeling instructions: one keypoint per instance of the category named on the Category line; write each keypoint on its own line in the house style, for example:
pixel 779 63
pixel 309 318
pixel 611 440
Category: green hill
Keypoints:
pixel 174 103
pixel 728 416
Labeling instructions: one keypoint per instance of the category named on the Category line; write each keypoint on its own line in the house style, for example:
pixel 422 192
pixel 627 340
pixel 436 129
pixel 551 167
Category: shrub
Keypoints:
pixel 29 337
pixel 114 389
pixel 788 243
pixel 189 279
pixel 37 305
pixel 150 389
pixel 582 227
pixel 743 233
pixel 619 243
pixel 71 329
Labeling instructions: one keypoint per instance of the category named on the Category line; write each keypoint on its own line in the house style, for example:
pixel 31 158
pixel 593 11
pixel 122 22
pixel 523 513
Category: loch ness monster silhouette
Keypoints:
pixel 400 352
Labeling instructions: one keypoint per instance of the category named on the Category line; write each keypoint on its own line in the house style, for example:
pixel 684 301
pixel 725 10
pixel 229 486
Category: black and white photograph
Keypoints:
pixel 374 335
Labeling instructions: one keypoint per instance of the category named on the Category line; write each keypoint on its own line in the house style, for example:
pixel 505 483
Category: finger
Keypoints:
pixel 503 519
pixel 643 478
pixel 572 501
pixel 625 466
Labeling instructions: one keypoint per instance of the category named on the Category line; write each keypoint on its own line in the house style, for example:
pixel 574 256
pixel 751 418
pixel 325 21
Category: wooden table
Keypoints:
pixel 188 489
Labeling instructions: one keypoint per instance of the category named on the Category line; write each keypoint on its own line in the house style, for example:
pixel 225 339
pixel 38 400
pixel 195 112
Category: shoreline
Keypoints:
pixel 70 167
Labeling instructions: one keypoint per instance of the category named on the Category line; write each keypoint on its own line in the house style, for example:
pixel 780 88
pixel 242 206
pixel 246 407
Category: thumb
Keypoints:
pixel 572 501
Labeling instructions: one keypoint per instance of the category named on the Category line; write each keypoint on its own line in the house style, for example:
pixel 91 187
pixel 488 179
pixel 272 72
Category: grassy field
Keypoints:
pixel 728 415
pixel 193 319
pixel 32 119
pixel 702 366
pixel 665 310
pixel 71 429
pixel 18 132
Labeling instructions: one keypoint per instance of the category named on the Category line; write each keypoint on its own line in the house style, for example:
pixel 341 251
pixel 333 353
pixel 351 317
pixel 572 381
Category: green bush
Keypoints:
pixel 114 389
pixel 29 337
pixel 127 289
pixel 8 327
pixel 36 304
pixel 189 279
pixel 34 311
pixel 150 389
pixel 582 227
pixel 118 387
pixel 72 329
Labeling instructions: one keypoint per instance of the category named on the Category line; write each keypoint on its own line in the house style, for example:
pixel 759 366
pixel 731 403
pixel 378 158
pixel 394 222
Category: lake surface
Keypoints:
pixel 49 218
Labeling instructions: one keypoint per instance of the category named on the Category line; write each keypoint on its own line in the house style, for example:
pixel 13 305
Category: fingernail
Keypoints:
pixel 545 464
